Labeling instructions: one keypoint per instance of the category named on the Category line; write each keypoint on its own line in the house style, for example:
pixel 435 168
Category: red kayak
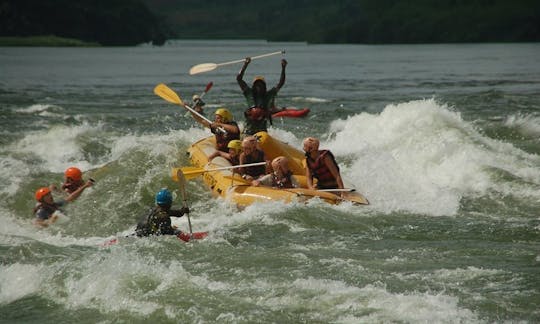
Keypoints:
pixel 182 236
pixel 291 112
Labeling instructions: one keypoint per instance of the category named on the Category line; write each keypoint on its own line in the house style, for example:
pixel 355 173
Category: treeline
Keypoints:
pixel 131 22
pixel 355 21
pixel 107 22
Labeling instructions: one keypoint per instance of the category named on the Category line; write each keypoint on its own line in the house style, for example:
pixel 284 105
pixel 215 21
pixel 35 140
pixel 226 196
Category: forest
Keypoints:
pixel 131 22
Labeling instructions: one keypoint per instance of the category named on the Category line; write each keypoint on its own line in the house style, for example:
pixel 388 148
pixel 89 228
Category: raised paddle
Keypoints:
pixel 169 95
pixel 193 172
pixel 205 67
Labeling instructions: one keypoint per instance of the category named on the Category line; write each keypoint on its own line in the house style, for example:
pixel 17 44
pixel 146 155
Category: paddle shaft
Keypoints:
pixel 227 167
pixel 252 58
pixel 182 183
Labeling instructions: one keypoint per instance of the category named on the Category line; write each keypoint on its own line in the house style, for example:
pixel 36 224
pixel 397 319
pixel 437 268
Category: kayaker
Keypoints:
pixel 224 128
pixel 260 101
pixel 46 207
pixel 281 176
pixel 233 156
pixel 321 165
pixel 157 221
pixel 252 154
pixel 73 181
pixel 198 104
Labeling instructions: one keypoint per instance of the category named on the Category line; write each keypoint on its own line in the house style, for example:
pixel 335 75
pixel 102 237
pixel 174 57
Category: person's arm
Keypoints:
pixel 219 153
pixel 75 194
pixel 265 180
pixel 200 120
pixel 282 78
pixel 240 77
pixel 178 212
pixel 229 128
pixel 333 170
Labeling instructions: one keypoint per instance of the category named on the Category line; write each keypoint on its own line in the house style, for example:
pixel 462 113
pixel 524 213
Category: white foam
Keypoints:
pixel 19 280
pixel 422 157
pixel 526 124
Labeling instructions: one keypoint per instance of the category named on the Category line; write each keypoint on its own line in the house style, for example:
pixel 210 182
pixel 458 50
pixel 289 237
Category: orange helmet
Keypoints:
pixel 258 78
pixel 73 173
pixel 42 192
pixel 311 144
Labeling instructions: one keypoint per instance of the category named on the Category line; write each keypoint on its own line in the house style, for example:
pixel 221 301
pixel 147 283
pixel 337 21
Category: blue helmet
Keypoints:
pixel 164 197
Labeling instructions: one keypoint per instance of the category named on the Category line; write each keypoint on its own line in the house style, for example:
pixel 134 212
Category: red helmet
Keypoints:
pixel 42 192
pixel 73 173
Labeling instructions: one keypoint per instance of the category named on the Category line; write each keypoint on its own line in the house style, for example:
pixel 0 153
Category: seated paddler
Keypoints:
pixel 281 176
pixel 321 165
pixel 252 154
pixel 224 128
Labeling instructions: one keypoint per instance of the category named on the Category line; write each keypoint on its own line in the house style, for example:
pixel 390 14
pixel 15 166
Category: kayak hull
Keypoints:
pixel 232 187
pixel 292 112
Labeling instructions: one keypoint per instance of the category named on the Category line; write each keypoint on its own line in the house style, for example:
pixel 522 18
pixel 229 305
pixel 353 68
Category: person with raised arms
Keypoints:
pixel 321 165
pixel 157 221
pixel 260 101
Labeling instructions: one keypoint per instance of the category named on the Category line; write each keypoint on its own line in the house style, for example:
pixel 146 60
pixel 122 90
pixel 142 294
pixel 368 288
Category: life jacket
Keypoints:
pixel 156 222
pixel 49 209
pixel 72 186
pixel 321 172
pixel 282 182
pixel 255 171
pixel 223 139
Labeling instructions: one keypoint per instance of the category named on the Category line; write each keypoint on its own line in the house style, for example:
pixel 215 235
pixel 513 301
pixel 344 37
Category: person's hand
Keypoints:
pixel 248 60
pixel 184 210
pixel 283 63
pixel 89 183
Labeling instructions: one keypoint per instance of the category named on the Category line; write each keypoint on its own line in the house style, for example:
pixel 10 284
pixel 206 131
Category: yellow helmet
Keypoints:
pixel 225 114
pixel 258 78
pixel 235 145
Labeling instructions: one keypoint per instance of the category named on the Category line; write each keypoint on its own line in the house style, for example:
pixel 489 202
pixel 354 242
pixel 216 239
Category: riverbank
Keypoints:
pixel 45 41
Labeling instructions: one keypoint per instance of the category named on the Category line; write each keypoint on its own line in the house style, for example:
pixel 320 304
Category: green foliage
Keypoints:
pixel 129 22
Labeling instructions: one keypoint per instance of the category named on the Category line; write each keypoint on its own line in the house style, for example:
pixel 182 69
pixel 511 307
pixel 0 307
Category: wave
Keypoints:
pixel 422 157
pixel 527 124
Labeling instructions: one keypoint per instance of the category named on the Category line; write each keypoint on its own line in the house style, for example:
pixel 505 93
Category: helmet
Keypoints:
pixel 196 97
pixel 249 142
pixel 235 145
pixel 42 192
pixel 73 173
pixel 164 197
pixel 259 78
pixel 311 144
pixel 280 162
pixel 225 114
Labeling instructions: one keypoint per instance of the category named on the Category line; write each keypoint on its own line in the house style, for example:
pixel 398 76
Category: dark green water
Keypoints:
pixel 444 140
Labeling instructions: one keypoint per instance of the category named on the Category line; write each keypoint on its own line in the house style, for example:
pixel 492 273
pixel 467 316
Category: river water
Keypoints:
pixel 444 140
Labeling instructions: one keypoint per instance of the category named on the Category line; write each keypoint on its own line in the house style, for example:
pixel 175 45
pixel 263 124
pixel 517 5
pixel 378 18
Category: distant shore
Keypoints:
pixel 45 41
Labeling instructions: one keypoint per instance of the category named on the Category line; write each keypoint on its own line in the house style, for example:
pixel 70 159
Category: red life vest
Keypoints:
pixel 320 171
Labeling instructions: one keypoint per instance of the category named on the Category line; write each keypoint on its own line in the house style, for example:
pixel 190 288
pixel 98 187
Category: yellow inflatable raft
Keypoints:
pixel 232 187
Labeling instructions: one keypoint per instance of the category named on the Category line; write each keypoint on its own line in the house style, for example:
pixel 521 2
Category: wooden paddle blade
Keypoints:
pixel 168 94
pixel 189 173
pixel 204 67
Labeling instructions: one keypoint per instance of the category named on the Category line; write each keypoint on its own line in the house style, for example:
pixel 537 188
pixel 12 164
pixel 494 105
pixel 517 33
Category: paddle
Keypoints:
pixel 337 190
pixel 169 95
pixel 193 172
pixel 205 67
pixel 208 87
pixel 182 184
